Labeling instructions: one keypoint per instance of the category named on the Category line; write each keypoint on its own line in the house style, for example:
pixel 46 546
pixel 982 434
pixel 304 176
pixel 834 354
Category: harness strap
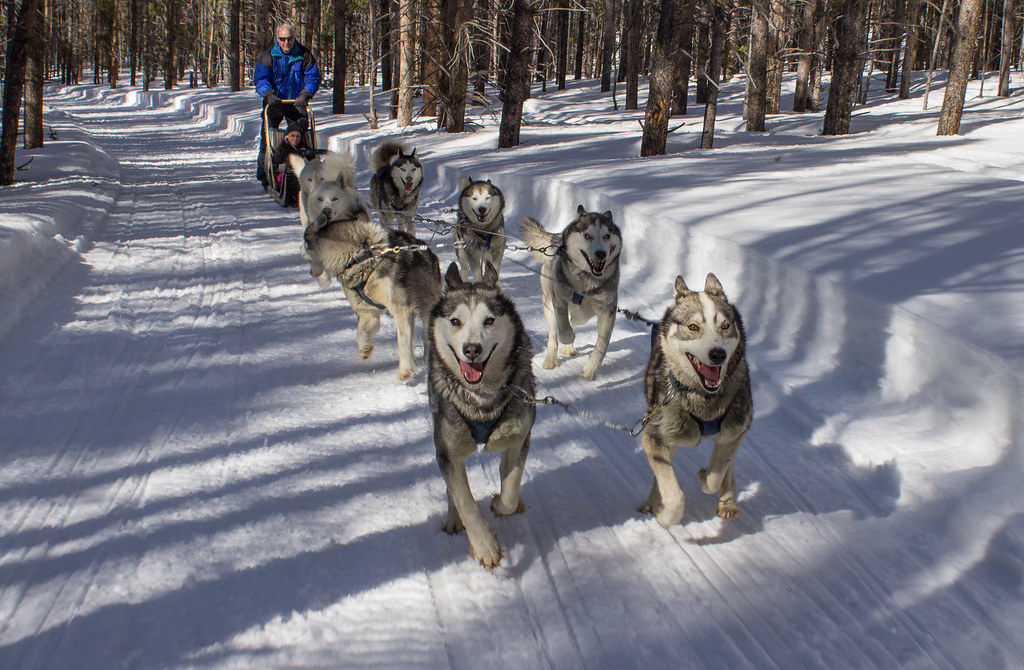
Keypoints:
pixel 708 427
pixel 481 430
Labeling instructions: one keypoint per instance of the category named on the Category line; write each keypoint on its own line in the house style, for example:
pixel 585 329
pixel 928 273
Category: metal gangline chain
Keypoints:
pixel 633 430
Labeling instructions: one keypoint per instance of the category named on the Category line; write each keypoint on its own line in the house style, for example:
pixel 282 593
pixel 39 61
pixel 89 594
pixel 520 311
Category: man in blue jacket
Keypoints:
pixel 285 71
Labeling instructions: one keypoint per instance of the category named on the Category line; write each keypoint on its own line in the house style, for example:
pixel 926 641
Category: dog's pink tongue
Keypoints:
pixel 711 374
pixel 471 371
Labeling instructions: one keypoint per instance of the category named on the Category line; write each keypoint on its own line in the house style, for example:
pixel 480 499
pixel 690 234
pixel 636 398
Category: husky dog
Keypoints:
pixel 697 385
pixel 395 185
pixel 332 167
pixel 579 279
pixel 479 228
pixel 344 242
pixel 480 365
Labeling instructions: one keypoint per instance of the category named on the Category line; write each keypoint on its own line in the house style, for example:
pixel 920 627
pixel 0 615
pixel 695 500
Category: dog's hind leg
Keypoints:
pixel 368 325
pixel 718 477
pixel 666 500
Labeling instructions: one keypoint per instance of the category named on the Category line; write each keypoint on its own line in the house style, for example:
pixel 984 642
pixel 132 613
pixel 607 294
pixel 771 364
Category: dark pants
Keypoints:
pixel 274 116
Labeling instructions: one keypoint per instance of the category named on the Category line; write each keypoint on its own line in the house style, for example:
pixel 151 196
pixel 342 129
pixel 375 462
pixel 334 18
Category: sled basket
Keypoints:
pixel 282 192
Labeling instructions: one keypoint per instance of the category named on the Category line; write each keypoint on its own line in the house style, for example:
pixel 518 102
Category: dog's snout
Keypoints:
pixel 717 356
pixel 601 254
pixel 472 350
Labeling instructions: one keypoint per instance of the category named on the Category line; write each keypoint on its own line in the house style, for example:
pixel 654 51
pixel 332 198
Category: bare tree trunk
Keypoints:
pixel 481 52
pixel 808 58
pixel 135 6
pixel 14 84
pixel 913 42
pixel 776 42
pixel 235 45
pixel 581 33
pixel 406 61
pixel 755 101
pixel 340 56
pixel 713 73
pixel 34 76
pixel 663 79
pixel 1006 50
pixel 847 65
pixel 633 17
pixel 386 23
pixel 517 75
pixel 454 72
pixel 682 56
pixel 562 62
pixel 170 56
pixel 607 45
pixel 433 50
pixel 960 67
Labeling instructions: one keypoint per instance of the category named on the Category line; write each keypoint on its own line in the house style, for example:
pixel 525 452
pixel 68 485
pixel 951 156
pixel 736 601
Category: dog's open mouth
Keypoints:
pixel 481 215
pixel 596 267
pixel 409 184
pixel 472 371
pixel 710 375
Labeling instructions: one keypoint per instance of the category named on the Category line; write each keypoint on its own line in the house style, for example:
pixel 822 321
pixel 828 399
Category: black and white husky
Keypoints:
pixel 480 368
pixel 579 279
pixel 379 269
pixel 479 228
pixel 395 185
pixel 697 386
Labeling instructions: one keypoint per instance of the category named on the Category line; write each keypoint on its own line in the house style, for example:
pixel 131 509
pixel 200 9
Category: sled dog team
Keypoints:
pixel 480 379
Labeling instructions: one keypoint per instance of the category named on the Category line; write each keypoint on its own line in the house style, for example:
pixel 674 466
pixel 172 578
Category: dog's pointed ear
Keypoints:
pixel 608 215
pixel 680 287
pixel 452 278
pixel 490 275
pixel 464 182
pixel 580 211
pixel 713 286
pixel 413 154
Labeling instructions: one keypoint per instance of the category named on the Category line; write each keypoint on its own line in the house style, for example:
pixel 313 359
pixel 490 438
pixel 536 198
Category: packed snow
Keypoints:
pixel 197 471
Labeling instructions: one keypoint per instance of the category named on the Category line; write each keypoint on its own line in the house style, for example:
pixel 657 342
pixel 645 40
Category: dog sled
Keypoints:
pixel 286 191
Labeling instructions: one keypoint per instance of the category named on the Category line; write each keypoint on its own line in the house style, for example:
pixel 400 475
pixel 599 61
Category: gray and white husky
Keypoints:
pixel 331 167
pixel 697 385
pixel 395 185
pixel 344 242
pixel 579 279
pixel 480 365
pixel 479 228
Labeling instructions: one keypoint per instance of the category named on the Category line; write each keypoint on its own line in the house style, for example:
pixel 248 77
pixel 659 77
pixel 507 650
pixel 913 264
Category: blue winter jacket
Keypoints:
pixel 286 75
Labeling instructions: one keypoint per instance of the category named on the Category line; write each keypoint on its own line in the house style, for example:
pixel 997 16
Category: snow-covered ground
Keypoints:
pixel 197 471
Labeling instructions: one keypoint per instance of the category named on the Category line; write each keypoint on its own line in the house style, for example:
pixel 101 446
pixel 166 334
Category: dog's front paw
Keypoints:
pixel 670 512
pixel 590 372
pixel 728 509
pixel 452 523
pixel 568 350
pixel 500 509
pixel 324 279
pixel 709 484
pixel 486 549
pixel 366 352
pixel 550 361
pixel 405 374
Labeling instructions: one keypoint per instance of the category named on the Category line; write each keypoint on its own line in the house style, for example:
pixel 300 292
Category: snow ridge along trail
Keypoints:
pixel 198 472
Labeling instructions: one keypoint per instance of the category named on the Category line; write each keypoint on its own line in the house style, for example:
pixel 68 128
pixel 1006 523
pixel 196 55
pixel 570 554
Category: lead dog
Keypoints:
pixel 480 365
pixel 479 228
pixel 579 279
pixel 395 185
pixel 697 385
pixel 361 254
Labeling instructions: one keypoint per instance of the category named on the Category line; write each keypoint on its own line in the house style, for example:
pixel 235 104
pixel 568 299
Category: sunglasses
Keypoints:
pixel 285 39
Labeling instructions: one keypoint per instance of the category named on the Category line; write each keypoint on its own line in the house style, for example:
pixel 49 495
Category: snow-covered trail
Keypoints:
pixel 200 473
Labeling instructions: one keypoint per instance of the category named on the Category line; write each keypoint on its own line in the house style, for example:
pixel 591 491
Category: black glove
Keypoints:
pixel 271 99
pixel 303 99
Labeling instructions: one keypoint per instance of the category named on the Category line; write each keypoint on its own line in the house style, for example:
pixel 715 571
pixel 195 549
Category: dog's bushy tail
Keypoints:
pixel 384 153
pixel 542 243
pixel 339 167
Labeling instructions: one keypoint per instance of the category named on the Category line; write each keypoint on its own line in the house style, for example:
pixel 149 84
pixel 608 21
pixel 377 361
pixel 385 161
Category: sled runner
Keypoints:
pixel 286 191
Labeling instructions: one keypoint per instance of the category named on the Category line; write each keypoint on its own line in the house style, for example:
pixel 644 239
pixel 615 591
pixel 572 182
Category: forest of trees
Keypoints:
pixel 450 53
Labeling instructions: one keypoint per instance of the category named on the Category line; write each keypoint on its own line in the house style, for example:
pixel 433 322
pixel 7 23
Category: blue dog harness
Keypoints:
pixel 707 428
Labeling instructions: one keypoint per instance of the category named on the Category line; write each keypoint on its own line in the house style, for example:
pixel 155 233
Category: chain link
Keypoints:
pixel 633 430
